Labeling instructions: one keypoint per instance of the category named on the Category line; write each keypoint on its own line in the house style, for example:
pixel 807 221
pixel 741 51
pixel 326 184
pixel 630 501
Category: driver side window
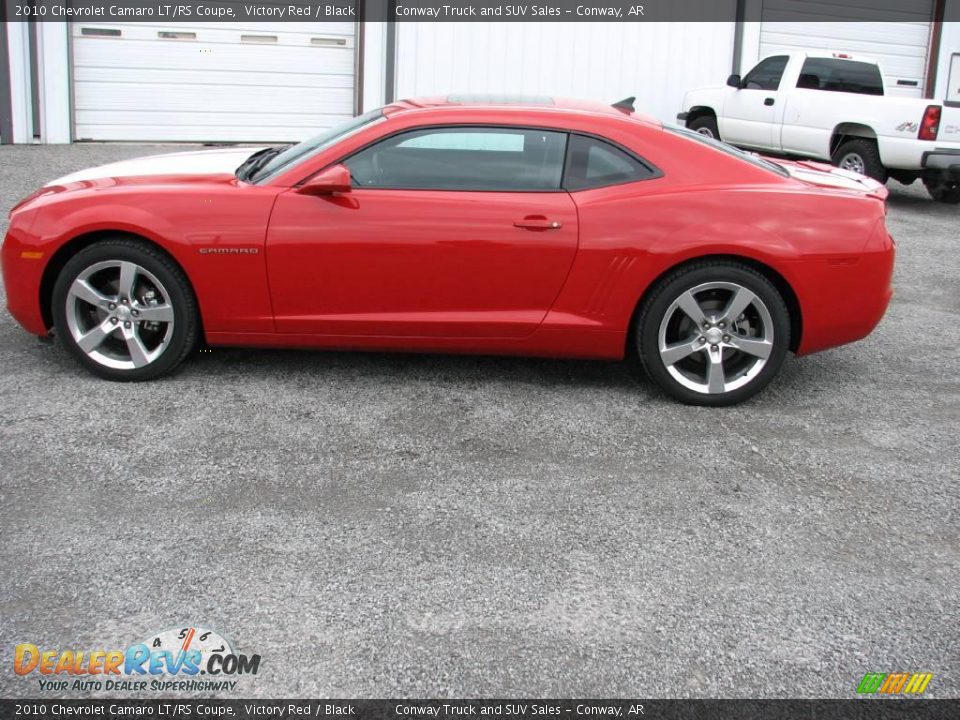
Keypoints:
pixel 767 74
pixel 501 159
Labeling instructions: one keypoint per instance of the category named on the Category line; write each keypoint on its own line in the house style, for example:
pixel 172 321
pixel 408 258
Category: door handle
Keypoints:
pixel 768 102
pixel 538 223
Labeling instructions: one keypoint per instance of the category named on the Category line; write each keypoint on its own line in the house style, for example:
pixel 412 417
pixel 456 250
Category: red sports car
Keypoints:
pixel 466 224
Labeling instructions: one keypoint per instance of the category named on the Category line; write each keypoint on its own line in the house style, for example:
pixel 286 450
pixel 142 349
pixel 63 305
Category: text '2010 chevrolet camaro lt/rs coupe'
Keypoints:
pixel 525 226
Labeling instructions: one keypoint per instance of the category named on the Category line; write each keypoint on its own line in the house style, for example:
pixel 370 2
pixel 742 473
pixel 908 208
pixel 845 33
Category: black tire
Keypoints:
pixel 705 125
pixel 943 190
pixel 659 309
pixel 864 153
pixel 172 344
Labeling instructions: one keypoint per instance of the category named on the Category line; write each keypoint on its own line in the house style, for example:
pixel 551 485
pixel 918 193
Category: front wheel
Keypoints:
pixel 706 125
pixel 713 333
pixel 125 310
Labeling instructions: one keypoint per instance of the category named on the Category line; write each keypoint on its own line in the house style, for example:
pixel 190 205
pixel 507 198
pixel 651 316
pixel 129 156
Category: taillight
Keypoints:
pixel 931 123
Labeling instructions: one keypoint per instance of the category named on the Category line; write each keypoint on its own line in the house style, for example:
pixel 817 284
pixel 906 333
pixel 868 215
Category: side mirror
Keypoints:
pixel 334 179
pixel 734 81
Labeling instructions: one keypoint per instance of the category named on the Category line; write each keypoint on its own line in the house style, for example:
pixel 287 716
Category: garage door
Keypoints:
pixel 211 82
pixel 900 43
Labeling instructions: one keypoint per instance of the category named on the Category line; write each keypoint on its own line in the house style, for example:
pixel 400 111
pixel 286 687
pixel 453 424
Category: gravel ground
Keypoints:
pixel 377 525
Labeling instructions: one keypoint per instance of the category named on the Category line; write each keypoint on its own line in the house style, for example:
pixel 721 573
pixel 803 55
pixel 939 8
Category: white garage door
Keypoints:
pixel 211 82
pixel 900 43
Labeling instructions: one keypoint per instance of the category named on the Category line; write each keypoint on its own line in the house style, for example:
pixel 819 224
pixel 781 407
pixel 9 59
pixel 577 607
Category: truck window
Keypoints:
pixel 836 75
pixel 766 75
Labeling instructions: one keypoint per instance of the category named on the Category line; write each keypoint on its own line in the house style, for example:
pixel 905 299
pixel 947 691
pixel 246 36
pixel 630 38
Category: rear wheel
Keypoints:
pixel 860 156
pixel 713 333
pixel 706 125
pixel 125 310
pixel 943 190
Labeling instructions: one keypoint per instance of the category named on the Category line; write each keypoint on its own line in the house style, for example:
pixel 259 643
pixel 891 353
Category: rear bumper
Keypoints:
pixel 943 160
pixel 682 118
pixel 844 300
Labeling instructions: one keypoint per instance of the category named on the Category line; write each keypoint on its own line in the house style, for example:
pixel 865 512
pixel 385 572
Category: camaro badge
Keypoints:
pixel 229 251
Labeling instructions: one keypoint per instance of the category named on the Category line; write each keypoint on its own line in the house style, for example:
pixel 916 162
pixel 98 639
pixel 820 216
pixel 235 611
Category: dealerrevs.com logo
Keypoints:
pixel 167 661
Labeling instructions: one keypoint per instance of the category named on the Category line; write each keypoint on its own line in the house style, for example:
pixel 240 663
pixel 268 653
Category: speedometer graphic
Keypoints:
pixel 182 640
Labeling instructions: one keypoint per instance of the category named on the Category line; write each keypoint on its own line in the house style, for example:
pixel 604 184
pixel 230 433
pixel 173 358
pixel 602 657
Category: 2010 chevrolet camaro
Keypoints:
pixel 483 225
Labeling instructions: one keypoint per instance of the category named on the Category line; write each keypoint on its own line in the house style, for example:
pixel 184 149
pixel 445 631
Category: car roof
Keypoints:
pixel 510 104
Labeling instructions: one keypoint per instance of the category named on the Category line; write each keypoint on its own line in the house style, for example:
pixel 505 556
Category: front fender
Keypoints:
pixel 65 223
pixel 231 288
pixel 704 97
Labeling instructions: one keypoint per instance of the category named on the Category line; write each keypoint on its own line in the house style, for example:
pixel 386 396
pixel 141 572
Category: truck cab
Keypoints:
pixel 833 107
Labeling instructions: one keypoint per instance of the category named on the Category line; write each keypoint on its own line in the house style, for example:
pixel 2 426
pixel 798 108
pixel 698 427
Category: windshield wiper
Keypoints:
pixel 257 160
pixel 241 172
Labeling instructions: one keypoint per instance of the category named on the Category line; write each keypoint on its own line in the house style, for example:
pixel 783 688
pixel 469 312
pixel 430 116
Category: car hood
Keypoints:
pixel 202 162
pixel 828 176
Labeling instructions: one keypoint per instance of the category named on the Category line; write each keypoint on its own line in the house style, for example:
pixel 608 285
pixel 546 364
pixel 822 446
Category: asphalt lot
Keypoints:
pixel 392 525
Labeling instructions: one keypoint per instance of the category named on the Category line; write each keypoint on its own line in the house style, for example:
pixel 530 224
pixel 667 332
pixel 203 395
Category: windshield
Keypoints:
pixel 749 157
pixel 295 154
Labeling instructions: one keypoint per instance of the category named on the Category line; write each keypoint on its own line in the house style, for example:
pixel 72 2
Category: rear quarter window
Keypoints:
pixel 592 162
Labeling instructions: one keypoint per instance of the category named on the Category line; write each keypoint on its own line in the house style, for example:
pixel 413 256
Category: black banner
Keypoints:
pixel 192 11
pixel 855 709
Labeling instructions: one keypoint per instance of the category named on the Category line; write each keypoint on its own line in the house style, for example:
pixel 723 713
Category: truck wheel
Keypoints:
pixel 860 156
pixel 943 190
pixel 705 125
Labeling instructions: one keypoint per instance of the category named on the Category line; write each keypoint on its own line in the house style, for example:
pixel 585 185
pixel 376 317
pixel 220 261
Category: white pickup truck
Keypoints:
pixel 834 107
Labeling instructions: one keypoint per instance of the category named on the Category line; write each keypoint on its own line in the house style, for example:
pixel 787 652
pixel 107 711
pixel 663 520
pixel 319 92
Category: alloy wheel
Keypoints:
pixel 119 314
pixel 716 337
pixel 853 162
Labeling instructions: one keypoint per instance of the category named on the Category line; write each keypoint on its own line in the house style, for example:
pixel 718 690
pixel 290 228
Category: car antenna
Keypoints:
pixel 625 105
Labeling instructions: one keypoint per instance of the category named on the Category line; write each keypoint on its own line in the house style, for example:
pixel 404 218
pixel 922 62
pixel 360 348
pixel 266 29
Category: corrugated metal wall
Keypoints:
pixel 657 62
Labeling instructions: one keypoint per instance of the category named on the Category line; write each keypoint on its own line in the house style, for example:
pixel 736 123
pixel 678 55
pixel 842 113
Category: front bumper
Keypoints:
pixel 21 266
pixel 942 160
pixel 682 118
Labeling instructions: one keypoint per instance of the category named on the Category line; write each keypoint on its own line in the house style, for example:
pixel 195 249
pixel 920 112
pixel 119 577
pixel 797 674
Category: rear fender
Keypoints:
pixel 606 284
